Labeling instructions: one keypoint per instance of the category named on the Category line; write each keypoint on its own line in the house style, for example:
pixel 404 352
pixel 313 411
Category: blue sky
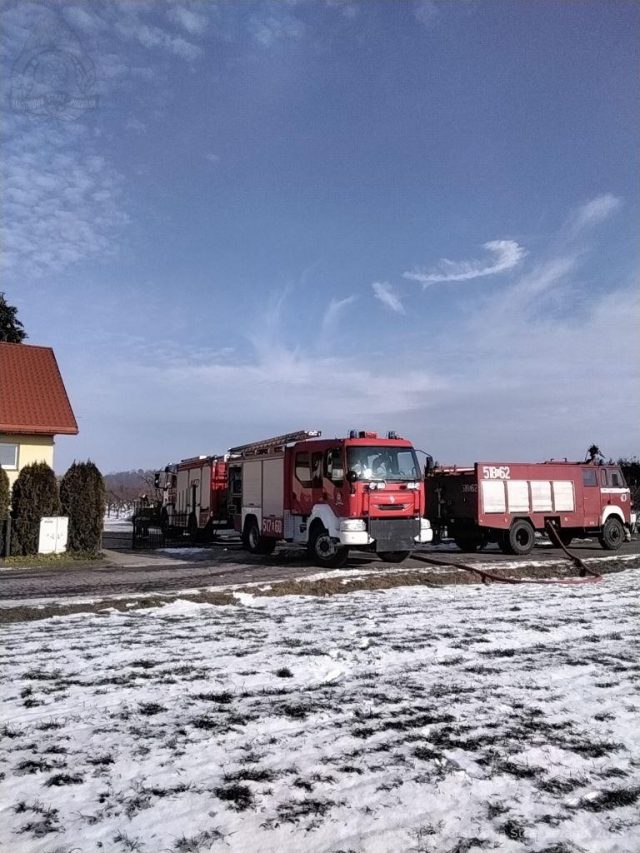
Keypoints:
pixel 260 216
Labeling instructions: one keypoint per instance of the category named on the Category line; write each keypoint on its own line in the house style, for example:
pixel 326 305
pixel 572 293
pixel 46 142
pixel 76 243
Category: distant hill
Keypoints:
pixel 123 487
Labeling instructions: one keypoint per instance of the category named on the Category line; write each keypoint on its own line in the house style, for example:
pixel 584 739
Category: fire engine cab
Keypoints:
pixel 194 496
pixel 331 495
pixel 507 502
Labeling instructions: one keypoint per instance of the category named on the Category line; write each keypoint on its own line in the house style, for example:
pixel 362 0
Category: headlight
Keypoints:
pixel 352 525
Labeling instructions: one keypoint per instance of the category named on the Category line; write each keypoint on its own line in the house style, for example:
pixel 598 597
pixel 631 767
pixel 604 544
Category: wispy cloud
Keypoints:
pixel 266 29
pixel 426 11
pixel 59 207
pixel 194 23
pixel 507 255
pixel 384 292
pixel 594 212
pixel 154 37
pixel 334 311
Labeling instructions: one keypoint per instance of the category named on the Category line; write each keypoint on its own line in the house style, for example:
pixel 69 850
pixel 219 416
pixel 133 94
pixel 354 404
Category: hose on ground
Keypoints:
pixel 587 575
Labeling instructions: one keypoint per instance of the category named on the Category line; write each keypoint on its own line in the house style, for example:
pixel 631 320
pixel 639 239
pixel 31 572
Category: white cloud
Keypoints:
pixel 270 28
pixel 193 22
pixel 135 125
pixel 595 211
pixel 383 291
pixel 153 37
pixel 426 11
pixel 507 255
pixel 59 207
pixel 211 157
pixel 334 312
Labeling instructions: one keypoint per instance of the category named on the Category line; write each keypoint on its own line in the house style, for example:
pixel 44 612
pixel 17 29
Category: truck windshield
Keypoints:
pixel 383 463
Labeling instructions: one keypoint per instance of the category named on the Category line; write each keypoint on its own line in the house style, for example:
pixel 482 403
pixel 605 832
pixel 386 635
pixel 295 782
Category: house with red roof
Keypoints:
pixel 34 406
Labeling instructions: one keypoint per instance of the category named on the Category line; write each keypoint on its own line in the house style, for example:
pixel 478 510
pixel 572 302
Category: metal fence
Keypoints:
pixel 147 528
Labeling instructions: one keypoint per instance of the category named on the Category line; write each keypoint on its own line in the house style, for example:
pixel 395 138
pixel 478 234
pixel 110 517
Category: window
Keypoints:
pixel 616 480
pixel 9 456
pixel 383 462
pixel 334 466
pixel 589 477
pixel 303 471
pixel 316 469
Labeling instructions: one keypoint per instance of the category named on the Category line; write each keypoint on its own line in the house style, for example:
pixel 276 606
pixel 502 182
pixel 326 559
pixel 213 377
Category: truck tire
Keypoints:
pixel 253 541
pixel 520 537
pixel 194 531
pixel 164 522
pixel 394 556
pixel 324 551
pixel 468 544
pixel 612 535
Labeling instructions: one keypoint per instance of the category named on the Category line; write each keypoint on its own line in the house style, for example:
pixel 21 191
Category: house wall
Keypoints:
pixel 31 448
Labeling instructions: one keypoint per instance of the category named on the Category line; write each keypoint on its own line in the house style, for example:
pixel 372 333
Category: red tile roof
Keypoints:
pixel 33 398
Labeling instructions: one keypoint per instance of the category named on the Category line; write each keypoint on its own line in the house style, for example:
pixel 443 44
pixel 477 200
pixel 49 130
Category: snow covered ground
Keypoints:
pixel 462 718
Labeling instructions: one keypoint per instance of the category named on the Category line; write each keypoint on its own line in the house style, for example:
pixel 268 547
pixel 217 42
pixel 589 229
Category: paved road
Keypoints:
pixel 226 564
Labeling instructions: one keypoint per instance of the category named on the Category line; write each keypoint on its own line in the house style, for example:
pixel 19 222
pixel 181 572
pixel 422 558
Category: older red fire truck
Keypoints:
pixel 194 496
pixel 331 495
pixel 507 502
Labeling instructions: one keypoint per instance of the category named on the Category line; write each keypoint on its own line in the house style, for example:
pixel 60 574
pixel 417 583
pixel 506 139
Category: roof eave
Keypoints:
pixel 27 429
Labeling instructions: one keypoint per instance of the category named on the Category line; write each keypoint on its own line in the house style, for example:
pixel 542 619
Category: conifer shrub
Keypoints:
pixel 34 496
pixel 4 507
pixel 82 495
pixel 4 494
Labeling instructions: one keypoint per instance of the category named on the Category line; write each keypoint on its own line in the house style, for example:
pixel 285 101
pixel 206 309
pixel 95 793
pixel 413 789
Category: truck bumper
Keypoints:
pixel 353 539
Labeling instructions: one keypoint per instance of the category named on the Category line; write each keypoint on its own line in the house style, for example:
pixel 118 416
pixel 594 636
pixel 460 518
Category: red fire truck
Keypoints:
pixel 507 502
pixel 331 495
pixel 194 496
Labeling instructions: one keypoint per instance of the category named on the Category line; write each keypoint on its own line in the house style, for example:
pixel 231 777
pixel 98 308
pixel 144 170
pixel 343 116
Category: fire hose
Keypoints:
pixel 587 575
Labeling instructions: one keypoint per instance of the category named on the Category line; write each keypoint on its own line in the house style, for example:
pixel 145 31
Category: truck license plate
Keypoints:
pixel 272 526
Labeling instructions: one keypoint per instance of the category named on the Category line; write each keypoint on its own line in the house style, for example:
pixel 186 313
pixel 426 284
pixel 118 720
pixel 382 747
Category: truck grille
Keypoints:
pixel 394 534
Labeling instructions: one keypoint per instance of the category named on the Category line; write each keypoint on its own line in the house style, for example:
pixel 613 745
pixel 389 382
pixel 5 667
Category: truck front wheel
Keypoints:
pixel 254 542
pixel 394 556
pixel 521 537
pixel 324 551
pixel 612 535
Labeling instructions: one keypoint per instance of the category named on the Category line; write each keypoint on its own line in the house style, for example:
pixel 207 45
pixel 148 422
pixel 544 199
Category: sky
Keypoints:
pixel 236 219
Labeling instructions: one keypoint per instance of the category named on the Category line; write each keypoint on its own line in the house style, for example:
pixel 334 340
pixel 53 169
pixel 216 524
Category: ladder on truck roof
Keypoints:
pixel 272 445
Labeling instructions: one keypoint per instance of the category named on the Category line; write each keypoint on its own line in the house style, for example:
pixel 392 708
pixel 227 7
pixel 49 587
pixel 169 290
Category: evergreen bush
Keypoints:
pixel 82 495
pixel 5 491
pixel 4 507
pixel 34 496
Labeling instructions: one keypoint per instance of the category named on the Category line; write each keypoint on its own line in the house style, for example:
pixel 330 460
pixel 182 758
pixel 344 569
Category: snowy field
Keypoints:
pixel 448 720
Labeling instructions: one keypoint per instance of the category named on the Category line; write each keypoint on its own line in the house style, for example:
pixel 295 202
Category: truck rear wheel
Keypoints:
pixel 521 537
pixel 253 541
pixel 612 535
pixel 194 531
pixel 324 551
pixel 394 556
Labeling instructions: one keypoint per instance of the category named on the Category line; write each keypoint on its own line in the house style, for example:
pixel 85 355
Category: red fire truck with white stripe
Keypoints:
pixel 330 494
pixel 194 496
pixel 508 502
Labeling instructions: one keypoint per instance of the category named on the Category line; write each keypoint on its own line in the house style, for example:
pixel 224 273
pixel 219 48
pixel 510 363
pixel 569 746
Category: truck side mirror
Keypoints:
pixel 428 465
